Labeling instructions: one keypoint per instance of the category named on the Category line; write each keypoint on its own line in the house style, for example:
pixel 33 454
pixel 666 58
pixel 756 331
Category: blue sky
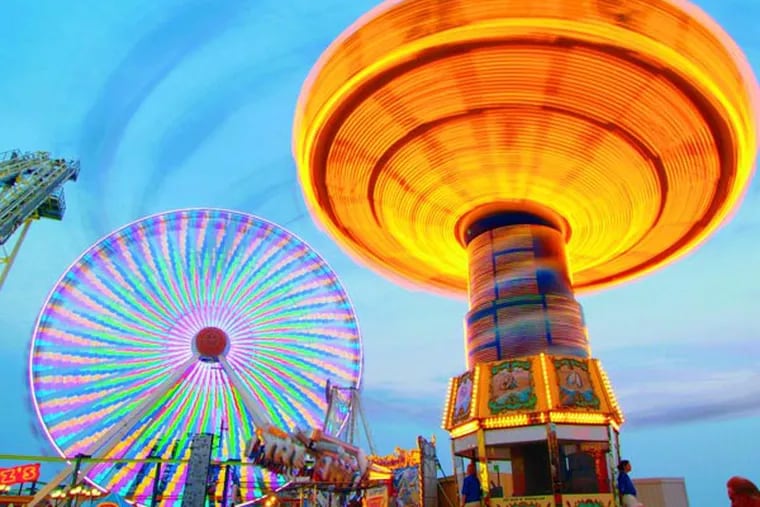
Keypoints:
pixel 181 103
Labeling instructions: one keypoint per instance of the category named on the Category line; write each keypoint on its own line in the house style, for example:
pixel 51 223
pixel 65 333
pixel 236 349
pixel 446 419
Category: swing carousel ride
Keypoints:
pixel 520 153
pixel 191 322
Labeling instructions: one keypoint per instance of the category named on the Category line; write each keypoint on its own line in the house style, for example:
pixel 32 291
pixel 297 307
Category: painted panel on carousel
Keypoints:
pixel 461 410
pixel 511 387
pixel 576 389
pixel 523 501
pixel 588 500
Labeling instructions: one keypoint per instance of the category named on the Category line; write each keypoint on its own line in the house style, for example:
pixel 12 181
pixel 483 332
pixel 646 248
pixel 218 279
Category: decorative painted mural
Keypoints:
pixel 462 399
pixel 524 501
pixel 512 387
pixel 600 500
pixel 575 387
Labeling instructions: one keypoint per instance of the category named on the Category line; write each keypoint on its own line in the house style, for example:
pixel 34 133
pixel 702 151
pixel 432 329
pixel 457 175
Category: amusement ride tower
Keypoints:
pixel 523 152
pixel 31 187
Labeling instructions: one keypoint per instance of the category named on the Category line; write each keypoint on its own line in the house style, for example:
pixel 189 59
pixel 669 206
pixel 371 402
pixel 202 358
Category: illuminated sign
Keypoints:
pixel 20 474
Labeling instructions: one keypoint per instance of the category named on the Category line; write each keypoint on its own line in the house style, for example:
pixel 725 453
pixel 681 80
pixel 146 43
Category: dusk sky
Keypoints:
pixel 186 103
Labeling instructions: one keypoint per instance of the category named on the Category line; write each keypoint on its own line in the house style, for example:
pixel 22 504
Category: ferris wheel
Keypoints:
pixel 187 322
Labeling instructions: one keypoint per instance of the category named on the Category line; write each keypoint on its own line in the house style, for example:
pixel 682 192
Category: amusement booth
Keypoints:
pixel 542 431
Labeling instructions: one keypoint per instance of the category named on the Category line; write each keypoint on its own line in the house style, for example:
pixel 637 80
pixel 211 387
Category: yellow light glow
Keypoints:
pixel 507 421
pixel 578 417
pixel 425 110
pixel 475 392
pixel 617 412
pixel 545 377
pixel 446 419
pixel 464 429
pixel 400 458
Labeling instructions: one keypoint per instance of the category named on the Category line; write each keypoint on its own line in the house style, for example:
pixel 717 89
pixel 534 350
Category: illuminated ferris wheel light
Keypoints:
pixel 180 321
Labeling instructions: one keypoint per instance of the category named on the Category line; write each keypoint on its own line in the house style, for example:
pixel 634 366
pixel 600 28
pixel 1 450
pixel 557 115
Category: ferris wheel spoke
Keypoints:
pixel 159 276
pixel 287 379
pixel 265 397
pixel 255 409
pixel 276 384
pixel 298 369
pixel 317 372
pixel 218 263
pixel 109 310
pixel 181 285
pixel 113 402
pixel 256 306
pixel 110 438
pixel 297 297
pixel 150 303
pixel 120 271
pixel 236 273
pixel 161 250
pixel 243 275
pixel 282 285
pixel 264 268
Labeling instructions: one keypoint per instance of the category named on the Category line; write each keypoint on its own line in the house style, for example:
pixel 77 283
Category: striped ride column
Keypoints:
pixel 520 293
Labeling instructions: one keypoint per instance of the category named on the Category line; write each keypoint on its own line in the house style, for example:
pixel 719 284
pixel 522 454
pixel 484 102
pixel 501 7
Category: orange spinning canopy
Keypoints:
pixel 634 121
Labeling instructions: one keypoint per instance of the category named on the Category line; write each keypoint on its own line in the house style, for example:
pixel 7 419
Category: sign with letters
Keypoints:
pixel 20 474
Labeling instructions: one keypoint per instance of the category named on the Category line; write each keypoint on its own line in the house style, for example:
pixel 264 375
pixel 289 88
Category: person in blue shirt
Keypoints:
pixel 625 485
pixel 471 492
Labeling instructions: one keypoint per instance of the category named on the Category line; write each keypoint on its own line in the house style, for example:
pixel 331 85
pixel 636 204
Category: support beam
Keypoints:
pixel 7 260
pixel 194 492
pixel 358 407
pixel 258 414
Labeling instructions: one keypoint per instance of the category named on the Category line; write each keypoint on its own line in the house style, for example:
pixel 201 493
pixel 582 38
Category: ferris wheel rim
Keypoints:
pixel 98 245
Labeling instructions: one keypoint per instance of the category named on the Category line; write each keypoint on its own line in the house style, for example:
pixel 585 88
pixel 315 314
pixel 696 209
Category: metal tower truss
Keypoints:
pixel 31 187
pixel 342 400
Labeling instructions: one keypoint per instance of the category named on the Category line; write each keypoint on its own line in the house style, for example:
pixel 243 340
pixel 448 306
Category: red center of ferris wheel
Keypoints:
pixel 211 342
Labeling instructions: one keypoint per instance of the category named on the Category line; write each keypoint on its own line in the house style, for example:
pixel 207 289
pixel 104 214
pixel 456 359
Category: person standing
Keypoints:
pixel 625 485
pixel 743 492
pixel 471 492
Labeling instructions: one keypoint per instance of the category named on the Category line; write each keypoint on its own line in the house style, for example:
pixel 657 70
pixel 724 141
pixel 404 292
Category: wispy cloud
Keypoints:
pixel 384 404
pixel 218 100
pixel 679 395
pixel 137 75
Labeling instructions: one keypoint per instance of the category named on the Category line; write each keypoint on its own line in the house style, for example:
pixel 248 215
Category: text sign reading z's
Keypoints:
pixel 19 474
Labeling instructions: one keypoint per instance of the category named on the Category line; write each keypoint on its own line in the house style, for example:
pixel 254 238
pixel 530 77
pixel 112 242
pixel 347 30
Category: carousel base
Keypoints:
pixel 542 430
pixel 541 465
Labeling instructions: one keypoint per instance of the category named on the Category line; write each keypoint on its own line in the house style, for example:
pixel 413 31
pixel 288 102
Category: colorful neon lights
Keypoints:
pixel 128 311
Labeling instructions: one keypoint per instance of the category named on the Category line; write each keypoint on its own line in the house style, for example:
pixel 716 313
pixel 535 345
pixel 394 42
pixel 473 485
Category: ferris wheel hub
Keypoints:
pixel 211 342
